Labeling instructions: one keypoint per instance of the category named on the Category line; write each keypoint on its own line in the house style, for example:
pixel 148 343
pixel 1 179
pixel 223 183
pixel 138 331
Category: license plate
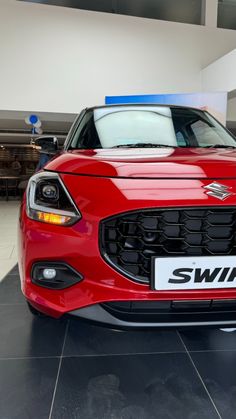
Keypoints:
pixel 191 273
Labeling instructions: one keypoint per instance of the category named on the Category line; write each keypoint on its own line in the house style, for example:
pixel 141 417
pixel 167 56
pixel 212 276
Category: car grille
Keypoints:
pixel 129 241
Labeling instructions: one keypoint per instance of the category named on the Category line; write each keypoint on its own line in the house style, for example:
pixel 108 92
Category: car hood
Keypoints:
pixel 148 163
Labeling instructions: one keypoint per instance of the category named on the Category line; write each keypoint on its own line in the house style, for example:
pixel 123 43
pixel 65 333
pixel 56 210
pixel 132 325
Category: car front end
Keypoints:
pixel 133 236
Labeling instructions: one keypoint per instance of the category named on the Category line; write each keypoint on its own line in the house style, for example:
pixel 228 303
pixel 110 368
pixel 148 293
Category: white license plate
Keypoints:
pixel 192 273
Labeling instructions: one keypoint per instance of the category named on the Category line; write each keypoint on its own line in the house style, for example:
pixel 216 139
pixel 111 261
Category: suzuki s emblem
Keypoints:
pixel 218 190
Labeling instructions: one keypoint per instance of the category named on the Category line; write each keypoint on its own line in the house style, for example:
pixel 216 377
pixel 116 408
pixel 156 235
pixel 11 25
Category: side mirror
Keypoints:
pixel 48 144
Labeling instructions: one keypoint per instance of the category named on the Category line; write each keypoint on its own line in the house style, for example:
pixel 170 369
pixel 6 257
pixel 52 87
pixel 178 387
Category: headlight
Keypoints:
pixel 49 201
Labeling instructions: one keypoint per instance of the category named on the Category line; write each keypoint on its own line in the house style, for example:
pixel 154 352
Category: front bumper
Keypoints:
pixel 165 314
pixel 78 247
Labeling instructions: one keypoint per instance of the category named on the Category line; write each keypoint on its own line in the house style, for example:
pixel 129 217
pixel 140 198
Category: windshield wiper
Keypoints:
pixel 219 146
pixel 148 145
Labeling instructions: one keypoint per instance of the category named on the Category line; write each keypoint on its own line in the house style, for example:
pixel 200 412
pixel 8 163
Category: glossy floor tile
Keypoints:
pixel 5 266
pixel 6 251
pixel 8 238
pixel 27 387
pixel 14 270
pixel 10 291
pixel 70 369
pixel 86 339
pixel 209 340
pixel 162 386
pixel 218 370
pixel 22 335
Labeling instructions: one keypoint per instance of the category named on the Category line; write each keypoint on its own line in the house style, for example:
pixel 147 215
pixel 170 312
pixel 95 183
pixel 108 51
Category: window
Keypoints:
pixel 149 126
pixel 120 126
pixel 205 134
pixel 184 11
pixel 226 14
pixel 180 139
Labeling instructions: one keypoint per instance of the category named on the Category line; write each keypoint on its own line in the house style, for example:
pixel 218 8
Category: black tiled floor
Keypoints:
pixel 209 340
pixel 10 292
pixel 22 335
pixel 108 374
pixel 14 271
pixel 85 339
pixel 27 387
pixel 160 386
pixel 218 370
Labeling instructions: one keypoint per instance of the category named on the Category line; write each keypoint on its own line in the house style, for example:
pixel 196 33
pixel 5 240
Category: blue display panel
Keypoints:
pixel 215 103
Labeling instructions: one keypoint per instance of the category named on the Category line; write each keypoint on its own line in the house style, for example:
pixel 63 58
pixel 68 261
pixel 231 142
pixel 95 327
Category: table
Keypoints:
pixel 7 178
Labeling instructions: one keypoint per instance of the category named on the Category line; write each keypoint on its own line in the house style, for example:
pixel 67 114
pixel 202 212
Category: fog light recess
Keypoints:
pixel 54 275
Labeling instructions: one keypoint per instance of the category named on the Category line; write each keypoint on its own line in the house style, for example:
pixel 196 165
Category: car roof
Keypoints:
pixel 118 105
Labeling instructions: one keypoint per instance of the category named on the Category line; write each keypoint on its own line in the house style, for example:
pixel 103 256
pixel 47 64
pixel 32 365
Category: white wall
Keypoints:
pixel 221 75
pixel 60 60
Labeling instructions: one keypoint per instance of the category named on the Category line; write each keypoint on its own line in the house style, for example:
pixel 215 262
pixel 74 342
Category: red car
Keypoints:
pixel 134 223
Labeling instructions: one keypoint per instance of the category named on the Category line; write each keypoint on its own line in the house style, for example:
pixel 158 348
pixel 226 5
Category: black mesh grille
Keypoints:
pixel 129 241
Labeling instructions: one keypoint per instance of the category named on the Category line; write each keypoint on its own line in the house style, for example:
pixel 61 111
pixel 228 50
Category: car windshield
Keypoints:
pixel 149 126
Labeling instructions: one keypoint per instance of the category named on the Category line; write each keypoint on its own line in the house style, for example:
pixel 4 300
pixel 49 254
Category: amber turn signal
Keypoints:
pixel 51 218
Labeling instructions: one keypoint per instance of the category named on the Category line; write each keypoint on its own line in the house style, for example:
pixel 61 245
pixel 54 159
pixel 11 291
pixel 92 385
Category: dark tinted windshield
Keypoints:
pixel 149 126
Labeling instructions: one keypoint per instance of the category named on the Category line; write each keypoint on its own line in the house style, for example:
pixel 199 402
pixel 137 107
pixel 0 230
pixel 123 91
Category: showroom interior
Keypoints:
pixel 59 57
